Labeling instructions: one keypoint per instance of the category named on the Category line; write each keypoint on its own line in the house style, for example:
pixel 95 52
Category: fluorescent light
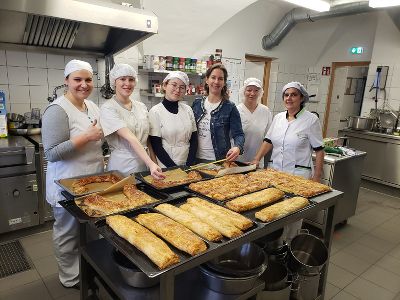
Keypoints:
pixel 383 3
pixel 317 5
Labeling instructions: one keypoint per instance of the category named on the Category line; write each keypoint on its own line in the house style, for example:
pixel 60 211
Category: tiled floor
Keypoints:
pixel 364 264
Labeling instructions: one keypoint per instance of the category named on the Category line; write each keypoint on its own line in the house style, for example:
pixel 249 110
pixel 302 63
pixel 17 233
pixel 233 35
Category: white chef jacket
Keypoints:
pixel 113 116
pixel 255 126
pixel 175 130
pixel 294 141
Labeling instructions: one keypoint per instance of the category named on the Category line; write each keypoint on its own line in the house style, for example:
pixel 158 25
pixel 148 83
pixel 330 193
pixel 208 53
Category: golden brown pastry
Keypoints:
pixel 224 226
pixel 236 219
pixel 140 237
pixel 190 221
pixel 281 209
pixel 173 178
pixel 173 232
pixel 292 183
pixel 135 196
pixel 79 185
pixel 253 200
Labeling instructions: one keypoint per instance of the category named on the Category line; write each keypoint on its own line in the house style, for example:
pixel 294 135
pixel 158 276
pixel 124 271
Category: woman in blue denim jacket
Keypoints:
pixel 218 120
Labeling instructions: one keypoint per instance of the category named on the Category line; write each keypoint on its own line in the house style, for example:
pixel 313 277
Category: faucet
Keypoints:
pixel 54 96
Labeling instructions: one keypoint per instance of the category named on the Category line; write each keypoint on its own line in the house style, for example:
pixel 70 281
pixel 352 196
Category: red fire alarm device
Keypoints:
pixel 326 71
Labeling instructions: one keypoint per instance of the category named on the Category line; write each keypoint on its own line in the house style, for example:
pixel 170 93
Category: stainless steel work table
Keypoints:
pixel 96 262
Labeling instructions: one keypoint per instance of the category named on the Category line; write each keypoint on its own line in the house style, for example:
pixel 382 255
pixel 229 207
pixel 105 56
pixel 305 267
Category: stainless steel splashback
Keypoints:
pixel 87 26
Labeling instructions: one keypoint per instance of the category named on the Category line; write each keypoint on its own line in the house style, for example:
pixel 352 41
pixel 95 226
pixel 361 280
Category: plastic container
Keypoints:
pixel 162 63
pixel 175 63
pixel 169 63
pixel 181 66
pixel 218 55
pixel 188 62
pixel 193 63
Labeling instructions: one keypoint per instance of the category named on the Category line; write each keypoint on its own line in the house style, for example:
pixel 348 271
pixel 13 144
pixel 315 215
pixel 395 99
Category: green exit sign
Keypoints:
pixel 357 50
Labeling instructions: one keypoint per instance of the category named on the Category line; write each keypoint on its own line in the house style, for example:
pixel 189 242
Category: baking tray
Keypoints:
pixel 140 176
pixel 241 168
pixel 140 259
pixel 82 217
pixel 66 183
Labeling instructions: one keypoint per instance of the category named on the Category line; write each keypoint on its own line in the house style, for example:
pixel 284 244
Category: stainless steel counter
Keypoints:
pixel 383 156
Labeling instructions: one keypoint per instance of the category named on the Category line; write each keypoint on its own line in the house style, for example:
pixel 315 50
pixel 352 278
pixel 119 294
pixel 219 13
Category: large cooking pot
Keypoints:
pixel 227 284
pixel 307 254
pixel 246 260
pixel 360 123
pixel 131 274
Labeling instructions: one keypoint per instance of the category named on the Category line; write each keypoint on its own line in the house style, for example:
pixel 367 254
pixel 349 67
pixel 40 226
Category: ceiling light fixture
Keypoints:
pixel 317 5
pixel 383 3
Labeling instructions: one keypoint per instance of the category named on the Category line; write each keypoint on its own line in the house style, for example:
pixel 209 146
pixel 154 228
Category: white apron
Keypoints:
pixel 87 160
pixel 175 130
pixel 113 117
pixel 255 126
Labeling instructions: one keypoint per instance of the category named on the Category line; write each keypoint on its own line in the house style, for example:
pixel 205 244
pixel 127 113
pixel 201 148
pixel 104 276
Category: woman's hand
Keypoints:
pixel 94 133
pixel 156 171
pixel 316 178
pixel 255 162
pixel 233 153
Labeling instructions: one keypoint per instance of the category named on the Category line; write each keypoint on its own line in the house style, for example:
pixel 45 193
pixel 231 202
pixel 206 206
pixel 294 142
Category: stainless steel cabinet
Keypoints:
pixel 18 202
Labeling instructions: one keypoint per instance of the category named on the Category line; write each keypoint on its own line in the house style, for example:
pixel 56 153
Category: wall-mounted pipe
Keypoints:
pixel 298 15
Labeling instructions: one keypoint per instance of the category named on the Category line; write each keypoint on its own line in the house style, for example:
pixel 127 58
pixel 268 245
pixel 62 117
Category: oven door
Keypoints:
pixel 18 202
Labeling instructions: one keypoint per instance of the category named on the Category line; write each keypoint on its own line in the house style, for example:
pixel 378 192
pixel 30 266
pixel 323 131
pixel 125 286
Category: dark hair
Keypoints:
pixel 224 91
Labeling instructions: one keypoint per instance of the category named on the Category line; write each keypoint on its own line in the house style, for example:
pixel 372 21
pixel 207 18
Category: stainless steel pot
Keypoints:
pixel 272 242
pixel 246 260
pixel 226 284
pixel 131 274
pixel 307 254
pixel 275 277
pixel 360 123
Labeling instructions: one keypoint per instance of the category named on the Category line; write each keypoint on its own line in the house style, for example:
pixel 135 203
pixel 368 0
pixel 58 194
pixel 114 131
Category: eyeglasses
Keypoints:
pixel 286 95
pixel 176 86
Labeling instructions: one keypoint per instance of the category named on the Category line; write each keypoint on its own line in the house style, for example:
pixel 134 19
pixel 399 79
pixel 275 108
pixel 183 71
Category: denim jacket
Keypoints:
pixel 225 124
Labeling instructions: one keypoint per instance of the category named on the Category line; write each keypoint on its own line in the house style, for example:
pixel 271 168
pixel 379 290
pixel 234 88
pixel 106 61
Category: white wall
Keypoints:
pixel 386 52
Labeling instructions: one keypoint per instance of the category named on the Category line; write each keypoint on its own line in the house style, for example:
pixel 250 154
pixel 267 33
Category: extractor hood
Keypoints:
pixel 85 26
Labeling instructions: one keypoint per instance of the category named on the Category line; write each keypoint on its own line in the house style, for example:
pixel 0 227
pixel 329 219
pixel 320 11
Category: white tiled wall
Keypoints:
pixel 391 92
pixel 28 78
pixel 282 73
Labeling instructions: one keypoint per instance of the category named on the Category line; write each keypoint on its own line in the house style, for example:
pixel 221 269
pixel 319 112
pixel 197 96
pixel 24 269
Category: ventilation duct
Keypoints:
pixel 298 15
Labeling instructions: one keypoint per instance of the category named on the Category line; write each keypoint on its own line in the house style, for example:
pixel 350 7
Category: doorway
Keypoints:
pixel 259 67
pixel 345 95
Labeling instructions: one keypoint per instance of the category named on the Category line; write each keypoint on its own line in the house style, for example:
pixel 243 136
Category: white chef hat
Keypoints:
pixel 120 70
pixel 177 74
pixel 299 87
pixel 255 82
pixel 76 65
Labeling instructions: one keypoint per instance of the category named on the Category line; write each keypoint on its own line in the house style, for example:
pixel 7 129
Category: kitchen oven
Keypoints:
pixel 18 184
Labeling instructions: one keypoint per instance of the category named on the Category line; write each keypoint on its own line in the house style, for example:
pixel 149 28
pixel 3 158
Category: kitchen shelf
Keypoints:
pixel 186 97
pixel 152 71
pixel 99 253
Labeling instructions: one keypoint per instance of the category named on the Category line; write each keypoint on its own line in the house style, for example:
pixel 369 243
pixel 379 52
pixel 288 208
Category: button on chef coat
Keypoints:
pixel 113 116
pixel 293 142
pixel 255 126
pixel 175 130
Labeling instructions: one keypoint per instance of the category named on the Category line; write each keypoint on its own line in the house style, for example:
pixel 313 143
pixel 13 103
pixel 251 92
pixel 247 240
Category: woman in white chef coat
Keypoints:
pixel 293 136
pixel 256 118
pixel 173 131
pixel 126 126
pixel 72 140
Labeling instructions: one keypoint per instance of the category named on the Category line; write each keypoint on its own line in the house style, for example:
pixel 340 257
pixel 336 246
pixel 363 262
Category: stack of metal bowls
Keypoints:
pixel 131 274
pixel 274 245
pixel 277 285
pixel 235 272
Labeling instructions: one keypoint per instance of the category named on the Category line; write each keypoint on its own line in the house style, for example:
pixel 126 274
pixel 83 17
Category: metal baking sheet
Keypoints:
pixel 141 260
pixel 82 217
pixel 241 168
pixel 140 176
pixel 66 183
